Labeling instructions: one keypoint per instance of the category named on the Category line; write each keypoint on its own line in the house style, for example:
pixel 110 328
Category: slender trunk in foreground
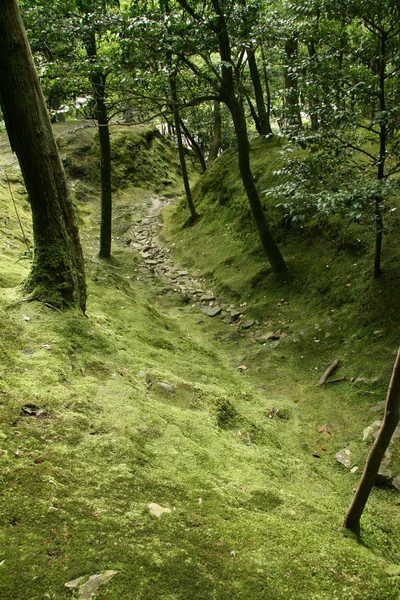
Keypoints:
pixel 390 422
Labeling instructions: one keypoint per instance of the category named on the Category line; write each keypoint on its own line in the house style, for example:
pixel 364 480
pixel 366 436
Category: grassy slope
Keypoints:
pixel 76 482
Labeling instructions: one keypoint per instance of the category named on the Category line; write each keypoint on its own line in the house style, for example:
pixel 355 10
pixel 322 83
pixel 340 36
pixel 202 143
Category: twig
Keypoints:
pixel 336 380
pixel 16 212
pixel 51 306
pixel 328 372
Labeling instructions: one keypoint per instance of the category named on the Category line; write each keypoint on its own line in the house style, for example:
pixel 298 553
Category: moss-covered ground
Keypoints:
pixel 254 514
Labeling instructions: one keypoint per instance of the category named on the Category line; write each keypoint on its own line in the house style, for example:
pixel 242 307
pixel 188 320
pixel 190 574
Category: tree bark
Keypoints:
pixel 217 133
pixel 98 81
pixel 381 68
pixel 57 274
pixel 390 422
pixel 228 95
pixel 292 116
pixel 264 127
pixel 195 146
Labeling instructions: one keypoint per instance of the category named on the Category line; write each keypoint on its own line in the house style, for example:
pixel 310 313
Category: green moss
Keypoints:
pixel 254 513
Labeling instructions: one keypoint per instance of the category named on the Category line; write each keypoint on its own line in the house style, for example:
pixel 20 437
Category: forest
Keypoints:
pixel 199 250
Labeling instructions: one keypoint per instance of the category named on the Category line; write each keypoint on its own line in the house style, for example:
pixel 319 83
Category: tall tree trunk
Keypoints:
pixel 228 95
pixel 292 116
pixel 195 146
pixel 266 83
pixel 181 149
pixel 98 81
pixel 164 5
pixel 216 134
pixel 382 153
pixel 390 422
pixel 265 126
pixel 57 274
pixel 253 112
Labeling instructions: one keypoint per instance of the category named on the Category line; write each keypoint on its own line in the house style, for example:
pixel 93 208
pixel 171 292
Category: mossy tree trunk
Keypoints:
pixel 98 80
pixel 57 274
pixel 390 422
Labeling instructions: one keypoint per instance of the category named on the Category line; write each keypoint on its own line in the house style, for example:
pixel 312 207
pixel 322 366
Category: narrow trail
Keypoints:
pixel 145 235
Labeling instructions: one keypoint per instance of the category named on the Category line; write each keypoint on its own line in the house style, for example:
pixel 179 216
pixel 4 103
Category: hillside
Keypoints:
pixel 148 399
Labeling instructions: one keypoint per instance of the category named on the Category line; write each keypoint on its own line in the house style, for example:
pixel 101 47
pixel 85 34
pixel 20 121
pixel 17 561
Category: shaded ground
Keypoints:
pixel 146 401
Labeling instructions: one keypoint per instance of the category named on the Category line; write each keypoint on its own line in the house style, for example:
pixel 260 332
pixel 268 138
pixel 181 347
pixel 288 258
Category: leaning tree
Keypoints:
pixel 57 274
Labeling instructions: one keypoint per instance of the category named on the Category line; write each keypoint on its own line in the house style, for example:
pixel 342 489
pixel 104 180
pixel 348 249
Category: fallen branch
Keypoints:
pixel 336 380
pixel 328 372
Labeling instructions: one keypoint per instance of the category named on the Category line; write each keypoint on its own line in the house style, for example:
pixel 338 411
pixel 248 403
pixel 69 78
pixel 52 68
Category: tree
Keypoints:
pixel 349 78
pixel 389 424
pixel 217 23
pixel 80 36
pixel 57 274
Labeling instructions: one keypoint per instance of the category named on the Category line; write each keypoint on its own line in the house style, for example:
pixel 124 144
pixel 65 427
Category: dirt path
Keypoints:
pixel 145 236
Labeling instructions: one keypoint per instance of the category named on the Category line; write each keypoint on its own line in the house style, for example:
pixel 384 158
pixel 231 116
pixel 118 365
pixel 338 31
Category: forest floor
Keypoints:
pixel 179 392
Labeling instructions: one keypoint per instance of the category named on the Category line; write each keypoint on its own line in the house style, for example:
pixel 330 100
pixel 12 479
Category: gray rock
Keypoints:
pixel 396 483
pixel 157 510
pixel 166 387
pixel 274 344
pixel 371 431
pixel 235 314
pixel 248 324
pixel 384 477
pixel 183 273
pixel 212 311
pixel 396 434
pixel 379 406
pixel 207 297
pixel 88 586
pixel 343 457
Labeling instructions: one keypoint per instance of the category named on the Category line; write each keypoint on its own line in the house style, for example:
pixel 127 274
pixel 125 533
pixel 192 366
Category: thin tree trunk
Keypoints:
pixel 228 95
pixel 390 422
pixel 217 133
pixel 382 155
pixel 181 149
pixel 98 81
pixel 195 146
pixel 292 116
pixel 57 274
pixel 105 179
pixel 265 127
pixel 270 246
pixel 253 112
pixel 266 83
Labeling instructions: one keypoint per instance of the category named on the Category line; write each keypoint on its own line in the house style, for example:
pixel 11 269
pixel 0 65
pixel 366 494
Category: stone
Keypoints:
pixel 166 387
pixel 384 477
pixel 248 324
pixel 396 483
pixel 157 510
pixel 212 311
pixel 274 344
pixel 207 298
pixel 379 406
pixel 235 314
pixel 88 586
pixel 343 457
pixel 396 433
pixel 183 273
pixel 371 431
